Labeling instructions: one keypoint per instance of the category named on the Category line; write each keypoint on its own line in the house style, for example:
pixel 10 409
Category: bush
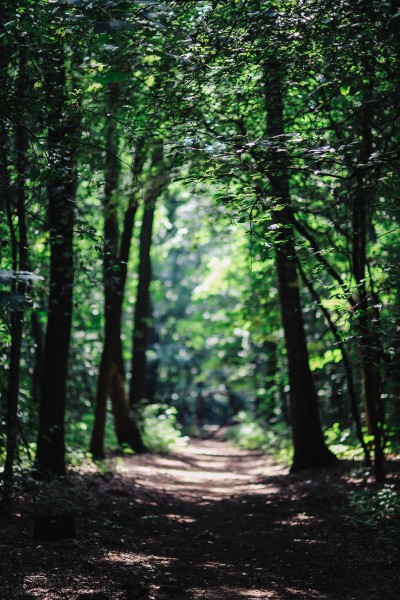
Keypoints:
pixel 251 434
pixel 160 430
pixel 379 509
pixel 343 442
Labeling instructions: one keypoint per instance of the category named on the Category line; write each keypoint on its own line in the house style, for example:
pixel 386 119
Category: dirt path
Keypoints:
pixel 210 522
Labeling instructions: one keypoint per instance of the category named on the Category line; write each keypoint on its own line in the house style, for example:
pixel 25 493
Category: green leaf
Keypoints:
pixel 111 77
pixel 113 26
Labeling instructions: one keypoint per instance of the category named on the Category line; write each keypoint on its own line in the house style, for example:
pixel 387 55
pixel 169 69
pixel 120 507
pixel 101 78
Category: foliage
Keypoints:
pixel 161 432
pixel 343 442
pixel 376 508
pixel 251 434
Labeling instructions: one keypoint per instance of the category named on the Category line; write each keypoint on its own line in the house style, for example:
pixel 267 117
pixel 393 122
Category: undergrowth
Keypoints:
pixel 160 430
pixel 158 423
pixel 250 434
pixel 275 439
pixel 376 508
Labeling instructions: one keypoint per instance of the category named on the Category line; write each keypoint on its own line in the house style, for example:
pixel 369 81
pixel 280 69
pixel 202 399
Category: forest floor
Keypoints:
pixel 209 522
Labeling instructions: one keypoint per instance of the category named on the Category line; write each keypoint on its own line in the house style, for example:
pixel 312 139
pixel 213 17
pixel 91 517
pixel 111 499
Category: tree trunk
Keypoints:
pixel 61 191
pixel 109 358
pixel 138 390
pixel 142 310
pixel 370 356
pixel 347 367
pixel 270 349
pixel 110 207
pixel 308 441
pixel 126 427
pixel 37 335
pixel 17 316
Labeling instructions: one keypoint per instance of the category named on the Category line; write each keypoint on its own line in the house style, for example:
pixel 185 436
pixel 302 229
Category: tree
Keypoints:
pixel 111 367
pixel 157 181
pixel 308 441
pixel 63 131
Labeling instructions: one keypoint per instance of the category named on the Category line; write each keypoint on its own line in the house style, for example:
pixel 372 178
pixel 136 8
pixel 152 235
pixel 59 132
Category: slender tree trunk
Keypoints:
pixel 158 180
pixel 271 349
pixel 367 338
pixel 109 359
pixel 110 204
pixel 266 376
pixel 17 316
pixel 308 441
pixel 37 335
pixel 142 310
pixel 126 426
pixel 4 134
pixel 152 366
pixel 6 206
pixel 347 368
pixel 61 192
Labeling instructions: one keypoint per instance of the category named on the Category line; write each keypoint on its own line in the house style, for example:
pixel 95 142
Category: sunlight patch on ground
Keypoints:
pixel 267 489
pixel 309 593
pixel 231 593
pixel 250 594
pixel 35 578
pixel 36 585
pixel 205 476
pixel 180 518
pixel 129 558
pixel 300 519
pixel 203 473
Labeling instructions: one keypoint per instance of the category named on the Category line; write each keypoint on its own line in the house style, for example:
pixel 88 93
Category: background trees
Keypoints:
pixel 247 148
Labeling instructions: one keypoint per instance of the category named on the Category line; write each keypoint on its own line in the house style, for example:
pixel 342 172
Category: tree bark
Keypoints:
pixel 63 125
pixel 110 359
pixel 17 316
pixel 308 441
pixel 158 180
pixel 370 356
pixel 347 368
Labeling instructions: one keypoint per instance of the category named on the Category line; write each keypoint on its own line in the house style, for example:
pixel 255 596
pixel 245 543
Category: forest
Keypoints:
pixel 199 299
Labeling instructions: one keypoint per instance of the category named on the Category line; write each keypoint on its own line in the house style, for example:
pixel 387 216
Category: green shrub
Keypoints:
pixel 160 429
pixel 379 509
pixel 251 434
pixel 343 442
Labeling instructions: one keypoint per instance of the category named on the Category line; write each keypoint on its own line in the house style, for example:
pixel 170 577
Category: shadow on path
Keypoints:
pixel 210 522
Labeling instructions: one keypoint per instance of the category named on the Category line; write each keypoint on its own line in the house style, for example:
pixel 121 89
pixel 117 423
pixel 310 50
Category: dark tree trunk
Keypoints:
pixel 126 427
pixel 265 409
pixel 308 441
pixel 369 344
pixel 158 180
pixel 6 206
pixel 142 310
pixel 37 335
pixel 61 191
pixel 111 353
pixel 4 134
pixel 347 368
pixel 110 206
pixel 200 410
pixel 153 364
pixel 20 263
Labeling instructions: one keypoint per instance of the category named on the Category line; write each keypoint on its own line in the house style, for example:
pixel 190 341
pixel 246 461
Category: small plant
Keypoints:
pixel 376 508
pixel 343 443
pixel 161 431
pixel 251 434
